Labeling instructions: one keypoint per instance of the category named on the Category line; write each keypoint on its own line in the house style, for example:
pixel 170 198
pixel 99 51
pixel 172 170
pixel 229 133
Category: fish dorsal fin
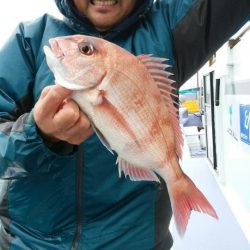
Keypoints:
pixel 135 173
pixel 157 69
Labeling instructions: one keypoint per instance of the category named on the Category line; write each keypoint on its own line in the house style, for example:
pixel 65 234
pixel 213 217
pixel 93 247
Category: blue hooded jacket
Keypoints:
pixel 57 196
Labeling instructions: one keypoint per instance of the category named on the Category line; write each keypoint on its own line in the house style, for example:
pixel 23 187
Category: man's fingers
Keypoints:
pixel 45 91
pixel 52 99
pixel 67 116
pixel 59 118
pixel 80 131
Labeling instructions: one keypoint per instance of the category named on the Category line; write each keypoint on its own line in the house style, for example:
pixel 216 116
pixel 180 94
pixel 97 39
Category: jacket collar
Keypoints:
pixel 81 24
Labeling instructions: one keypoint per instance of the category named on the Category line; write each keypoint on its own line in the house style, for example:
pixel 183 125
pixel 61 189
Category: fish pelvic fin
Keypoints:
pixel 135 173
pixel 185 198
pixel 102 139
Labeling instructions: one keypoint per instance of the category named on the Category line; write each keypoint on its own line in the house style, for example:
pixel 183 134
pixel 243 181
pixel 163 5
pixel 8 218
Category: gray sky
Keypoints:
pixel 13 12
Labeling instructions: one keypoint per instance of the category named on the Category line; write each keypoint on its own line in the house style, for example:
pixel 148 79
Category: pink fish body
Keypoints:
pixel 128 100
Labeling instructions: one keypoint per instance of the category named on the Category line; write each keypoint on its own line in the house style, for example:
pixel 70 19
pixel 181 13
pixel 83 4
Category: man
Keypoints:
pixel 62 189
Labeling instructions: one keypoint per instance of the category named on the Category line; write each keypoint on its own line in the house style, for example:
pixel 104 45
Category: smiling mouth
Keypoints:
pixel 104 3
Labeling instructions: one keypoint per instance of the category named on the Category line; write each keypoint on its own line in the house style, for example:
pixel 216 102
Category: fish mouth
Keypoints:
pixel 54 53
pixel 55 48
pixel 51 58
pixel 104 2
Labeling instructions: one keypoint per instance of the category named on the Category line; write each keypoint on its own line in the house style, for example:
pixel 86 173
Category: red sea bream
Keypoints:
pixel 128 100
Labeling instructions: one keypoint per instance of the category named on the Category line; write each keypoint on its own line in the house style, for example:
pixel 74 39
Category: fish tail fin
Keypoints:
pixel 187 197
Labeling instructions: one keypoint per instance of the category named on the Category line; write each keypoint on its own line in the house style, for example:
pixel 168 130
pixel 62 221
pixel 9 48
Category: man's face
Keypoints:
pixel 104 14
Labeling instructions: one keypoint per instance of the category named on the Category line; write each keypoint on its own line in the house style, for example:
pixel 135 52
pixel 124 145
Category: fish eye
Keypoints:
pixel 86 49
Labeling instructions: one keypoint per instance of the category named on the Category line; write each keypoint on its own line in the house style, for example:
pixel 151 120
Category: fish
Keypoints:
pixel 129 101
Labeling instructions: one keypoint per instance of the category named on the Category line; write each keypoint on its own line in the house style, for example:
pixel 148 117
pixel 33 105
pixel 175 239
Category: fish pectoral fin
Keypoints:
pixel 95 97
pixel 102 139
pixel 135 173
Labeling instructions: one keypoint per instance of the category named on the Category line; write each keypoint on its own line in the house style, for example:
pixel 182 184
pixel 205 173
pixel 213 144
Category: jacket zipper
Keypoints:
pixel 79 174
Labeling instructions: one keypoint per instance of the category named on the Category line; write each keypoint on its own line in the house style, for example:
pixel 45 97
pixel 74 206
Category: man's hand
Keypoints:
pixel 59 118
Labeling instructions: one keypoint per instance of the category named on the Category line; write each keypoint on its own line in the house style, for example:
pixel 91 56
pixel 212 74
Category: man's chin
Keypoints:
pixel 99 23
pixel 103 28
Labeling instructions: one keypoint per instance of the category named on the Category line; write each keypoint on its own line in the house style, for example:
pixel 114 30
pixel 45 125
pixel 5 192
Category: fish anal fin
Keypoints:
pixel 135 173
pixel 185 198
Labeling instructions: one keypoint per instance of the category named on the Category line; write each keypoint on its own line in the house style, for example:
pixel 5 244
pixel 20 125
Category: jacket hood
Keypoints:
pixel 81 24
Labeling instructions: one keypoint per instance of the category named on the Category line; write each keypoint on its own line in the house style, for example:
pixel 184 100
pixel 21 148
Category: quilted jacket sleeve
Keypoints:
pixel 200 28
pixel 22 150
